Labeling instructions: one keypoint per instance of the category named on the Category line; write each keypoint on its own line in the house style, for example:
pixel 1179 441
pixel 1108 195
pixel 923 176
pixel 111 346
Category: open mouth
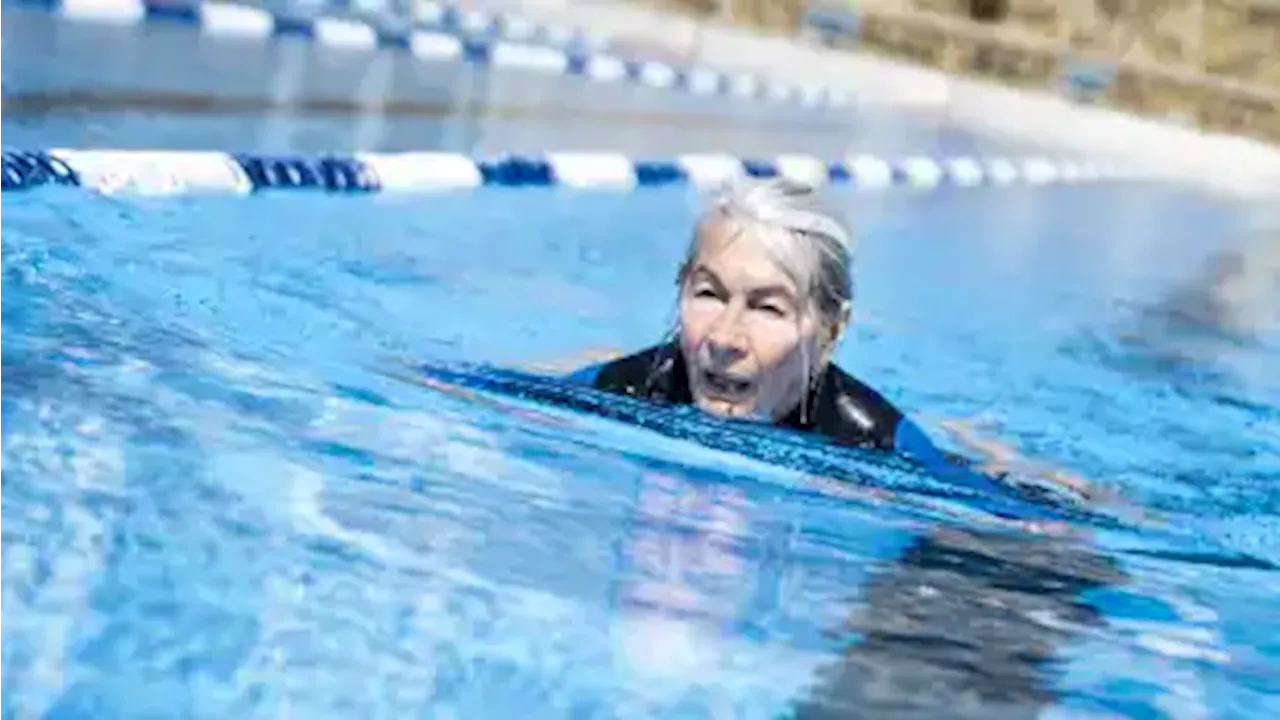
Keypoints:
pixel 725 385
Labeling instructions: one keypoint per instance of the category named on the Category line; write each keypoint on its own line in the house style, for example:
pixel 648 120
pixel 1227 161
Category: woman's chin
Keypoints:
pixel 727 409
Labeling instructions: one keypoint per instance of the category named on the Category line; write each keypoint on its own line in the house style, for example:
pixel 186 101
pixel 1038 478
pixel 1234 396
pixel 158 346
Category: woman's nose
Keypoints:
pixel 725 339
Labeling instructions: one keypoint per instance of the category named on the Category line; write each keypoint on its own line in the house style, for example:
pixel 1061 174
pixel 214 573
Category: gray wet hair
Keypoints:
pixel 808 242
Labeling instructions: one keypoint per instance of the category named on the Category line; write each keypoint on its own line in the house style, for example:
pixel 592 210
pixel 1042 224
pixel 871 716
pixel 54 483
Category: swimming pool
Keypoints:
pixel 223 498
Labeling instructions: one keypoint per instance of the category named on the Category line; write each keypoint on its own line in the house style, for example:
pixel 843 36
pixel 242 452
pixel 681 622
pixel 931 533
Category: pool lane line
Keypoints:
pixel 447 32
pixel 169 172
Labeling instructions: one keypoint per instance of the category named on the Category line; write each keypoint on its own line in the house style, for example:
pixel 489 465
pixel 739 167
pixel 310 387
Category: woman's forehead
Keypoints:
pixel 742 257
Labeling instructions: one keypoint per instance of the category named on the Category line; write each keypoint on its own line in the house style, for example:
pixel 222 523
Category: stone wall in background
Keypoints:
pixel 1214 64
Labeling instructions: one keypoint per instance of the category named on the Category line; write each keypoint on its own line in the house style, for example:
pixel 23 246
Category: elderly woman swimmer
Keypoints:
pixel 765 292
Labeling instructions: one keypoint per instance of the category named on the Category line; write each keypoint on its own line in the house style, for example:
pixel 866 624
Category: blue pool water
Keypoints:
pixel 226 496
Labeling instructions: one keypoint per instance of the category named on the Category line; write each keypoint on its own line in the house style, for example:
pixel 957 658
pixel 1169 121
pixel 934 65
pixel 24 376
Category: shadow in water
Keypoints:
pixel 965 624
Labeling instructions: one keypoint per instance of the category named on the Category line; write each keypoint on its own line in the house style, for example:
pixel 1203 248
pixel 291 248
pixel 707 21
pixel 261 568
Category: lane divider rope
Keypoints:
pixel 444 32
pixel 183 172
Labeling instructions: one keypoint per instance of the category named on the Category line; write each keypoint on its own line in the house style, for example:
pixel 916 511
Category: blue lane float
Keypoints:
pixel 443 32
pixel 177 172
pixel 25 170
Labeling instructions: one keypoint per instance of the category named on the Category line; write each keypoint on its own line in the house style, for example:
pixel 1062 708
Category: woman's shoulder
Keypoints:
pixel 863 409
pixel 847 385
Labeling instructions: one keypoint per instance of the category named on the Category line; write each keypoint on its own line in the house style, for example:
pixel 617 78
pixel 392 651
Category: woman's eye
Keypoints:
pixel 704 293
pixel 770 309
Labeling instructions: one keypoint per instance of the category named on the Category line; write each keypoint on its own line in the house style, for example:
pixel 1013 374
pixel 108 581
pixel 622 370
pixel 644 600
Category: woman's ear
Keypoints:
pixel 835 330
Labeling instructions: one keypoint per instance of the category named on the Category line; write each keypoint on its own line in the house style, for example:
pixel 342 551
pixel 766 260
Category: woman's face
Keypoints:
pixel 748 339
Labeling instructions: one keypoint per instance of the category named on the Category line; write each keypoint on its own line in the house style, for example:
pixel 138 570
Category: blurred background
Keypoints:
pixel 1208 63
